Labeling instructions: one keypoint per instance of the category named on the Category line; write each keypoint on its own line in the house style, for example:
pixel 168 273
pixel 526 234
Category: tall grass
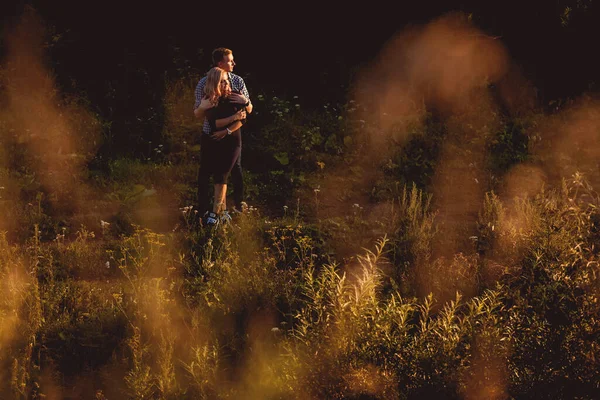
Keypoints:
pixel 253 310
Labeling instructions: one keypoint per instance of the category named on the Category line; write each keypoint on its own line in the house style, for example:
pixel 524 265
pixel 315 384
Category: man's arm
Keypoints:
pixel 249 107
pixel 242 98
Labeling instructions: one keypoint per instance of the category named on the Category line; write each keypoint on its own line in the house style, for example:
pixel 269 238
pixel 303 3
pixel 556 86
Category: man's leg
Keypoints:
pixel 204 173
pixel 238 183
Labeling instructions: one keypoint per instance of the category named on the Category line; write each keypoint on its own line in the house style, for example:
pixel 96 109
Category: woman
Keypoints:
pixel 221 148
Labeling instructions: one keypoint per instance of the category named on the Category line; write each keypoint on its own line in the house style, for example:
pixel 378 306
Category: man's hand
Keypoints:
pixel 238 98
pixel 241 99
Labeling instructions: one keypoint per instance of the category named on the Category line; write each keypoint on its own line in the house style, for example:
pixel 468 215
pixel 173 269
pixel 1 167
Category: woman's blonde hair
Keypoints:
pixel 212 87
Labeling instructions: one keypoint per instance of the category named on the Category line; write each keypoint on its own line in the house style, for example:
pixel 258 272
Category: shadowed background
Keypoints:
pixel 103 47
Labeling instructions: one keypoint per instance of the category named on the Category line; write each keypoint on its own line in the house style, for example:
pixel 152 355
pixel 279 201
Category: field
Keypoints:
pixel 446 250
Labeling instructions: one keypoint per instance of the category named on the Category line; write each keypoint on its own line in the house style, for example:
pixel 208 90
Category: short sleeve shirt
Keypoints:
pixel 237 85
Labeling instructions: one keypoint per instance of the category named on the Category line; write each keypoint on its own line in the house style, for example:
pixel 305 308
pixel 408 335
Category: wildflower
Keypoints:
pixel 118 297
pixel 186 209
pixel 104 224
pixel 107 264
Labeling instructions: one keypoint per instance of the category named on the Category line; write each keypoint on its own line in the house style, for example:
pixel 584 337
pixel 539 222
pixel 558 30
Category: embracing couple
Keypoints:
pixel 223 102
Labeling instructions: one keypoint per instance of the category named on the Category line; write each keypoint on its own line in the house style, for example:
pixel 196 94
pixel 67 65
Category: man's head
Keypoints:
pixel 223 58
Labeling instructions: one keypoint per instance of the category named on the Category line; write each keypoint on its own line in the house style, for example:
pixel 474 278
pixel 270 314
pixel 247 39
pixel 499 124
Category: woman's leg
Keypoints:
pixel 228 152
pixel 219 198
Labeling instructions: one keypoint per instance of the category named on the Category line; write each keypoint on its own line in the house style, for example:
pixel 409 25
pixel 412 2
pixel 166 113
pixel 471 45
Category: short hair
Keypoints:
pixel 218 54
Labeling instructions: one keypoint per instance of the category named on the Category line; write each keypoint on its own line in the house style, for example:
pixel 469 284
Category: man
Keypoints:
pixel 222 58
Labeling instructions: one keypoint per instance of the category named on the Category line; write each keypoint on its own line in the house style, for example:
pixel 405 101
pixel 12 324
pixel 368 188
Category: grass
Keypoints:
pixel 110 306
pixel 179 314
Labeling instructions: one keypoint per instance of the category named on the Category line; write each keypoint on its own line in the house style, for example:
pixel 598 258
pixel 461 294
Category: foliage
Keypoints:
pixel 263 307
pixel 287 143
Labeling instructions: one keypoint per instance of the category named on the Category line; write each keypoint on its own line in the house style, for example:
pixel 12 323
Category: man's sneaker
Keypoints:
pixel 211 219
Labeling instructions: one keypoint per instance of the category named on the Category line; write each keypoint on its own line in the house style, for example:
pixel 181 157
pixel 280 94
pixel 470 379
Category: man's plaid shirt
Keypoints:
pixel 237 85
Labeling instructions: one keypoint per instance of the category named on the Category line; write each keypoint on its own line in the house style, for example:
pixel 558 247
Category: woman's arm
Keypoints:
pixel 220 134
pixel 203 106
pixel 223 122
